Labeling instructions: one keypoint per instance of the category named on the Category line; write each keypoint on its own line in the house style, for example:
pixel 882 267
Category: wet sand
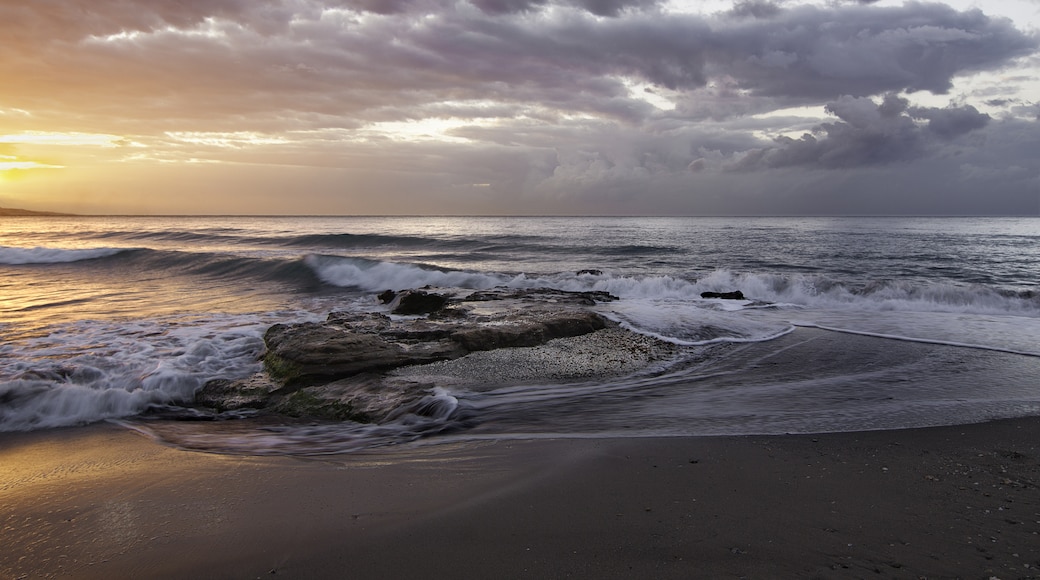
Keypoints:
pixel 951 502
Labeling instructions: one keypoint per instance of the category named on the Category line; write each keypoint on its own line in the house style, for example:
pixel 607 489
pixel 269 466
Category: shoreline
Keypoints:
pixel 958 501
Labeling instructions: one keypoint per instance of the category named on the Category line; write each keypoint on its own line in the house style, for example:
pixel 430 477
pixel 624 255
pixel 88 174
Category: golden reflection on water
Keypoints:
pixel 157 278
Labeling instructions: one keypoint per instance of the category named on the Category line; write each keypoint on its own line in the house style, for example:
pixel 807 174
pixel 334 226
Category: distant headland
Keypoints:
pixel 10 211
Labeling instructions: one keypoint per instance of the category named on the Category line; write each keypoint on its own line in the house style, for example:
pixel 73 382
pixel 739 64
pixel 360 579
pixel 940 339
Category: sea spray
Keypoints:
pixel 85 371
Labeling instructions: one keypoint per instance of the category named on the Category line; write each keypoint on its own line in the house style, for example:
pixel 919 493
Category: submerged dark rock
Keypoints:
pixel 386 296
pixel 417 302
pixel 541 295
pixel 734 295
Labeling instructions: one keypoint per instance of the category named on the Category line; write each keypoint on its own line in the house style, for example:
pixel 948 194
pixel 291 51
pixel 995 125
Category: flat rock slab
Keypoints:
pixel 338 369
pixel 312 353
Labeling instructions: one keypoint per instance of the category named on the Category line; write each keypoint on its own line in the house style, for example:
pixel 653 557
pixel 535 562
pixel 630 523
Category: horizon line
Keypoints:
pixel 38 213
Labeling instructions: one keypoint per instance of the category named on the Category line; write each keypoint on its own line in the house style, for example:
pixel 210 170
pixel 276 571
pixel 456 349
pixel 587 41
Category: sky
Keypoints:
pixel 521 107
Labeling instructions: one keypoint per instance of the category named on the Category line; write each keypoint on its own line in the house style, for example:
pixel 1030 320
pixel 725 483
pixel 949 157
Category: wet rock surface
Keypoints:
pixel 734 295
pixel 367 366
pixel 417 302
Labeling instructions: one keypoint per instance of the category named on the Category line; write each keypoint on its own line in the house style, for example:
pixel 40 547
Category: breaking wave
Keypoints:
pixel 375 275
pixel 38 255
pixel 86 371
pixel 795 290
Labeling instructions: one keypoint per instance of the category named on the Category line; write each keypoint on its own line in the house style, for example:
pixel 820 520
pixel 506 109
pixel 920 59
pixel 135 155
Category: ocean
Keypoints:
pixel 848 323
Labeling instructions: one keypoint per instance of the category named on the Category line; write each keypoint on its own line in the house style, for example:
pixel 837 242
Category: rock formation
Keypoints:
pixel 343 368
pixel 734 295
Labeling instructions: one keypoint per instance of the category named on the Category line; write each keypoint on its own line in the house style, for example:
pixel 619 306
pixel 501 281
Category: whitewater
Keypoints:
pixel 848 323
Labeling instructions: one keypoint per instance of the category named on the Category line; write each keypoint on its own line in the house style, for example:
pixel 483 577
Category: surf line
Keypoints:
pixel 921 340
pixel 680 342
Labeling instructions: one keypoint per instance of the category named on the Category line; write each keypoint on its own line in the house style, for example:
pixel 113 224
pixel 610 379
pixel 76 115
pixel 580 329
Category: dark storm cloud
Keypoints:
pixel 508 6
pixel 609 8
pixel 296 56
pixel 383 6
pixel 755 9
pixel 615 7
pixel 805 52
pixel 868 133
pixel 1031 110
pixel 951 122
pixel 815 52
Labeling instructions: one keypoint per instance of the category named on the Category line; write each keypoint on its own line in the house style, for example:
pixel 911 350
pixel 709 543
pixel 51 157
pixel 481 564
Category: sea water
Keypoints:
pixel 848 323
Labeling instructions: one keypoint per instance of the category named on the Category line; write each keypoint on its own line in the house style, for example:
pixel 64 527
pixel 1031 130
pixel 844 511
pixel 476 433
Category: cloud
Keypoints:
pixel 293 58
pixel 607 8
pixel 552 100
pixel 951 122
pixel 868 133
pixel 508 6
pixel 864 50
pixel 755 9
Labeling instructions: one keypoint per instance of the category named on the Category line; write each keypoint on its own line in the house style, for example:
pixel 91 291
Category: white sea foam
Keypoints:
pixel 693 324
pixel 18 256
pixel 375 276
pixel 671 308
pixel 89 371
pixel 433 414
pixel 904 295
pixel 1035 353
pixel 1007 334
pixel 795 290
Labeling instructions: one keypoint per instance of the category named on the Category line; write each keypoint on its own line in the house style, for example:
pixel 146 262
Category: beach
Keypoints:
pixel 947 502
pixel 861 413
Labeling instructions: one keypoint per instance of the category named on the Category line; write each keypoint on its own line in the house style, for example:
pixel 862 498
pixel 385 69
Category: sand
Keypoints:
pixel 949 502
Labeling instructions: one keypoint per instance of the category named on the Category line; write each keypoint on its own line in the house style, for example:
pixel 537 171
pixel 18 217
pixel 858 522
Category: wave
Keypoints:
pixel 375 275
pixel 54 381
pixel 881 295
pixel 311 271
pixel 459 246
pixel 706 334
pixel 196 236
pixel 370 240
pixel 672 309
pixel 780 290
pixel 437 413
pixel 225 237
pixel 122 261
pixel 292 270
pixel 231 237
pixel 40 255
pixel 958 344
pixel 818 291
